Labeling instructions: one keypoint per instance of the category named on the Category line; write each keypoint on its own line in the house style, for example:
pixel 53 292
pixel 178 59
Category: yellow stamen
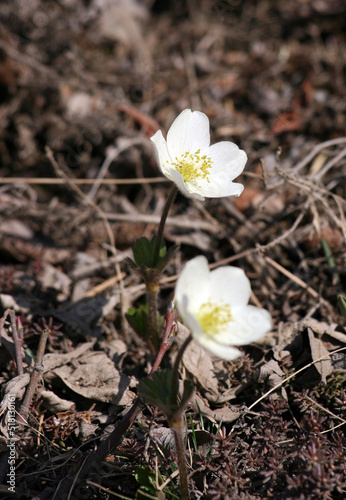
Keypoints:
pixel 193 166
pixel 213 318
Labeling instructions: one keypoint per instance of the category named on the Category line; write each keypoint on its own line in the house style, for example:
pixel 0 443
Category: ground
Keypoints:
pixel 83 87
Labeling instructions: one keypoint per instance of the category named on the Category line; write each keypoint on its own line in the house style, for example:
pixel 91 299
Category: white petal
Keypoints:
pixel 192 288
pixel 230 285
pixel 228 161
pixel 218 188
pixel 189 132
pixel 162 155
pixel 219 350
pixel 259 320
pixel 177 133
pixel 177 178
pixel 226 156
pixel 249 324
pixel 193 324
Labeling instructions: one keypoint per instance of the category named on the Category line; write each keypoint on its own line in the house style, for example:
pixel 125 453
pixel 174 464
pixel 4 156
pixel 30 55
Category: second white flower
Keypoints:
pixel 214 306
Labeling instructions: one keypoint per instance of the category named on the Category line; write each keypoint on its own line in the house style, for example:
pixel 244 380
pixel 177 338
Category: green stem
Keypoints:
pixel 176 423
pixel 177 428
pixel 164 215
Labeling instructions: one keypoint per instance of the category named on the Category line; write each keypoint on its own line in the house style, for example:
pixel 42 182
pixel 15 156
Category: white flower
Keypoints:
pixel 214 306
pixel 198 169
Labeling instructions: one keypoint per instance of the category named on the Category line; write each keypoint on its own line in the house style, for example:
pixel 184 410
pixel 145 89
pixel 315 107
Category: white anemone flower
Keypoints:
pixel 198 169
pixel 214 306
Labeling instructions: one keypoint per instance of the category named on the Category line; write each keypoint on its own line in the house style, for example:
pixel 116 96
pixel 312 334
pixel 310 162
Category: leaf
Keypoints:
pixel 318 350
pixel 158 390
pixel 198 362
pixel 166 256
pixel 144 255
pixel 147 479
pixel 91 375
pixel 138 319
pixel 143 252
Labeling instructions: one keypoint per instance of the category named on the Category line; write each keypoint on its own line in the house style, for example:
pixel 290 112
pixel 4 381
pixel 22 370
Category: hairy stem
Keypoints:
pixel 152 295
pixel 164 215
pixel 177 427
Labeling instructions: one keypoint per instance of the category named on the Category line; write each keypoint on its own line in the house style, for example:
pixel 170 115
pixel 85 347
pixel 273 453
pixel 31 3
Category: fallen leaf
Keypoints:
pixel 55 404
pixel 95 377
pixel 198 362
pixel 318 350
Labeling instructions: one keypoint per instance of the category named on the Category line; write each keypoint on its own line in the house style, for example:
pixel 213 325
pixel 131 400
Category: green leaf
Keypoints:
pixel 147 479
pixel 138 319
pixel 166 257
pixel 157 390
pixel 143 252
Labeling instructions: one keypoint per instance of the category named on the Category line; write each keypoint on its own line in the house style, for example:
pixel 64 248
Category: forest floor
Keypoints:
pixel 83 87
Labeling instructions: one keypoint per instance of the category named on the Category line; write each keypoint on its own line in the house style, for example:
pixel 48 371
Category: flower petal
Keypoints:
pixel 226 156
pixel 162 155
pixel 219 350
pixel 192 288
pixel 188 132
pixel 215 189
pixel 249 324
pixel 230 285
pixel 257 319
pixel 228 161
pixel 177 178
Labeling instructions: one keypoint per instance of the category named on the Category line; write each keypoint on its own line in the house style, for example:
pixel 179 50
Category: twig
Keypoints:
pixel 96 290
pixel 317 149
pixel 277 386
pixel 191 77
pixel 35 375
pixel 325 409
pixel 330 164
pixel 111 155
pixel 181 222
pixel 292 277
pixel 284 235
pixel 57 180
pixel 109 231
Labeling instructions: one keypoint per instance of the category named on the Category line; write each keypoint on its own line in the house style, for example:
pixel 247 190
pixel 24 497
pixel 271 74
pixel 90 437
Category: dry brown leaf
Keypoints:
pixel 52 361
pixel 271 373
pixel 227 414
pixel 95 377
pixel 318 350
pixel 198 362
pixel 14 388
pixel 53 278
pixel 55 404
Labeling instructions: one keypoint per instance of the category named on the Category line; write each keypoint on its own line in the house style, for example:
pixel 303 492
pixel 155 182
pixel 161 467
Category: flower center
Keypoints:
pixel 213 318
pixel 193 166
